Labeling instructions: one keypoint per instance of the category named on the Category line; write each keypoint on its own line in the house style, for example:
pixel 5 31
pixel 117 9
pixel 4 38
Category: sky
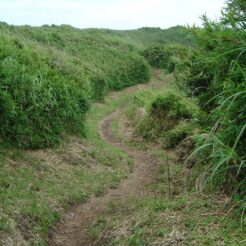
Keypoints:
pixel 113 14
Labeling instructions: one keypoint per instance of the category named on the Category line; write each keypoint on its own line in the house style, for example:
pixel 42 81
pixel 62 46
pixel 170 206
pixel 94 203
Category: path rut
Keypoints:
pixel 73 229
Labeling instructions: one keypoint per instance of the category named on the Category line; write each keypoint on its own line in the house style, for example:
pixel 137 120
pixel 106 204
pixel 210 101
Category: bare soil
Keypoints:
pixel 74 227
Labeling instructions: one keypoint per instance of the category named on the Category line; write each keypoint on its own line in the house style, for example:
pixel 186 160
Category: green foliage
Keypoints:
pixel 135 239
pixel 98 88
pixel 234 14
pixel 157 56
pixel 37 104
pixel 148 36
pixel 37 186
pixel 4 224
pixel 166 110
pixel 174 58
pixel 215 73
pixel 50 74
pixel 168 57
pixel 225 93
pixel 134 71
pixel 144 97
pixel 172 106
pixel 180 132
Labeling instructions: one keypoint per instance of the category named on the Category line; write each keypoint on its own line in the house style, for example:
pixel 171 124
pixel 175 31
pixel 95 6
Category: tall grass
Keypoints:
pixel 50 74
pixel 213 72
pixel 216 76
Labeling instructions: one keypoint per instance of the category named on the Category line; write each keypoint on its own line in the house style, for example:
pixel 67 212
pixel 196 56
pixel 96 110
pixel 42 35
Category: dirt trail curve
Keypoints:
pixel 73 230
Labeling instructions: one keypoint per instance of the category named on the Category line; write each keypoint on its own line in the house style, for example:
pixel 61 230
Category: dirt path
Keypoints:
pixel 74 227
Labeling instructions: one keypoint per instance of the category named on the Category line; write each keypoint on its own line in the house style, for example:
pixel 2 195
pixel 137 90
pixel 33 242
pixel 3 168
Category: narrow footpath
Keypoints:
pixel 73 229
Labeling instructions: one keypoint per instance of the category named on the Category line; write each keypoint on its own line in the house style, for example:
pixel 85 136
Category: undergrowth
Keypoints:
pixel 181 216
pixel 39 185
pixel 212 73
pixel 49 76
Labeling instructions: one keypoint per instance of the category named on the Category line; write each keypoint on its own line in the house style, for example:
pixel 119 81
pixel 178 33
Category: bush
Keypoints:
pixel 135 70
pixel 50 74
pixel 169 57
pixel 216 75
pixel 174 136
pixel 172 106
pixel 98 88
pixel 35 110
pixel 157 56
pixel 165 112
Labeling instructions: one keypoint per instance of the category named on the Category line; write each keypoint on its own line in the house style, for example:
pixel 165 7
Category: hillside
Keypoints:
pixel 83 63
pixel 131 138
pixel 63 69
pixel 148 36
pixel 50 76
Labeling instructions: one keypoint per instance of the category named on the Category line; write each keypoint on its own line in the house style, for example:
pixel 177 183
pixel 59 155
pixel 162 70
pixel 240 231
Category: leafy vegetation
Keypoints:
pixel 37 103
pixel 49 75
pixel 166 56
pixel 48 78
pixel 153 36
pixel 220 87
pixel 38 186
pixel 213 72
pixel 181 216
pixel 170 116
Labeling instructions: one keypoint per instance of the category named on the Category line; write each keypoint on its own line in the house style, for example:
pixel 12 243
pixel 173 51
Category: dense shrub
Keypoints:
pixel 154 36
pixel 165 112
pixel 171 57
pixel 94 53
pixel 98 88
pixel 37 104
pixel 172 106
pixel 215 74
pixel 157 56
pixel 48 75
pixel 181 131
pixel 135 70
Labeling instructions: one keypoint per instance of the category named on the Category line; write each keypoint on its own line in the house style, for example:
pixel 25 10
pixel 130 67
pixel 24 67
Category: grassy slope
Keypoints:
pixel 147 36
pixel 63 68
pixel 72 48
pixel 37 186
pixel 48 75
pixel 82 54
pixel 187 217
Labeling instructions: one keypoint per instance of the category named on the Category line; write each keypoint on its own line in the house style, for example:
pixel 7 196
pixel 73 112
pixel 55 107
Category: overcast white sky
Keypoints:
pixel 114 14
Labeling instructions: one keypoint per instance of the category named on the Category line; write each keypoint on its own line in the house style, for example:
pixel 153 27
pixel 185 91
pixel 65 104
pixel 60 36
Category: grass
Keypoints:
pixel 116 128
pixel 36 189
pixel 185 218
pixel 68 68
pixel 146 37
pixel 214 74
pixel 38 186
pixel 51 74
